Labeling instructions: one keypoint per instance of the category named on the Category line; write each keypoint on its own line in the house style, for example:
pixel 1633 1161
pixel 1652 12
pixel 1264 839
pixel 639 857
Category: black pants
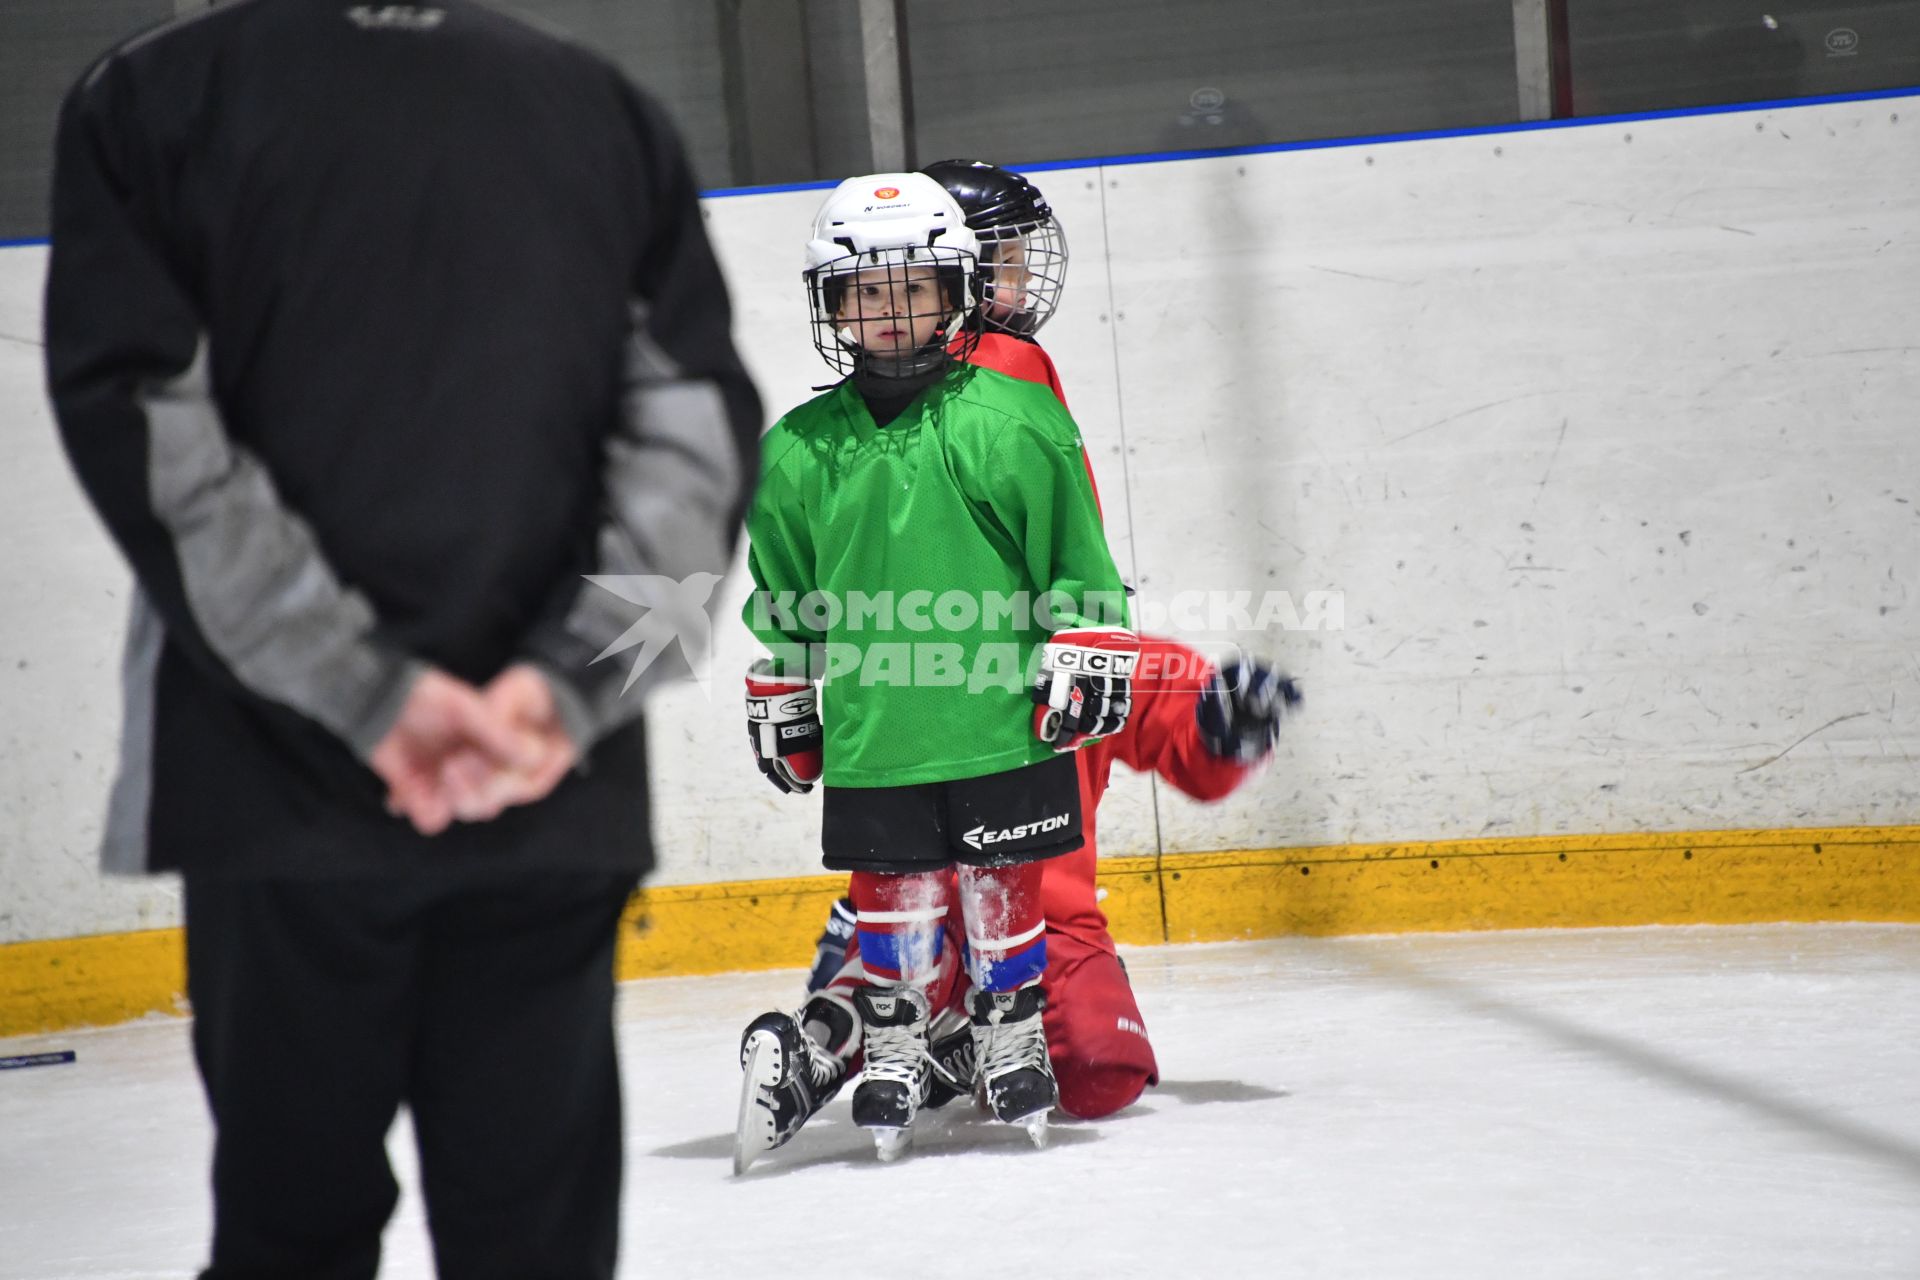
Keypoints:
pixel 320 1007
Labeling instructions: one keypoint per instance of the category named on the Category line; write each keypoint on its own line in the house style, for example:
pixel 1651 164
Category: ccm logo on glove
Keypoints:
pixel 1104 662
pixel 1085 686
pixel 783 727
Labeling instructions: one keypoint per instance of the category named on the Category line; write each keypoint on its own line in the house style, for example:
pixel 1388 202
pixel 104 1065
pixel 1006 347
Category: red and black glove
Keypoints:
pixel 1085 686
pixel 783 724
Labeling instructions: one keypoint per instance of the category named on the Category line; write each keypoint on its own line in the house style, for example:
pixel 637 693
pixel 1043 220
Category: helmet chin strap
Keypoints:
pixel 924 360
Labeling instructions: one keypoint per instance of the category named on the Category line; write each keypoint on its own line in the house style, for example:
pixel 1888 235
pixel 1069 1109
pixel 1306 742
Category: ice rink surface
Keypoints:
pixel 1681 1102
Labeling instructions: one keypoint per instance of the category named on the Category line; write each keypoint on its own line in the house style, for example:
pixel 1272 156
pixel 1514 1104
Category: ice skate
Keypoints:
pixel 792 1066
pixel 897 1072
pixel 950 1046
pixel 1010 1042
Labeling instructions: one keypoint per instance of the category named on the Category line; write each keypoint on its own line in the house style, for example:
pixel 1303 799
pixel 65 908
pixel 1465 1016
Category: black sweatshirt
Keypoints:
pixel 370 330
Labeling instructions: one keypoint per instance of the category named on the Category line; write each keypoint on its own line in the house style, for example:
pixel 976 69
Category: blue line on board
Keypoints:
pixel 1472 131
pixel 1377 139
pixel 771 189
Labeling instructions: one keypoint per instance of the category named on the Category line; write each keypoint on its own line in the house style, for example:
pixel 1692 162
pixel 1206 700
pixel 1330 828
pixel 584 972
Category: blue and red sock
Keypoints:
pixel 1006 928
pixel 901 924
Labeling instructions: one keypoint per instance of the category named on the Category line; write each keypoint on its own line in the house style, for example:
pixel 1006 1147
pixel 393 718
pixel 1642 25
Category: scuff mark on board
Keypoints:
pixel 1467 413
pixel 1855 715
pixel 1553 458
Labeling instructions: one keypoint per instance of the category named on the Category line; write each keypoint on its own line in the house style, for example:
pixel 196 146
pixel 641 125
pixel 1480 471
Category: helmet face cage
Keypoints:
pixel 894 313
pixel 1023 268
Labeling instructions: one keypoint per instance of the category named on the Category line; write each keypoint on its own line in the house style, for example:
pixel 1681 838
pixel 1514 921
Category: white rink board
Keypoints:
pixel 63 609
pixel 1600 431
pixel 1604 434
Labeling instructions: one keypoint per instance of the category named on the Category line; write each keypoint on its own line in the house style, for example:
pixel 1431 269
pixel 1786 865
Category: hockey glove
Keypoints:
pixel 830 953
pixel 783 724
pixel 1085 686
pixel 1240 710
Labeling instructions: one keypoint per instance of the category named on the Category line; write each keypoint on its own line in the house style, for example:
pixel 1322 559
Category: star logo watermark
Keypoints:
pixel 675 612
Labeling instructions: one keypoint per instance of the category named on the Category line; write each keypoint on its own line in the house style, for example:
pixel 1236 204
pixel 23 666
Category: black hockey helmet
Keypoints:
pixel 1023 250
pixel 990 196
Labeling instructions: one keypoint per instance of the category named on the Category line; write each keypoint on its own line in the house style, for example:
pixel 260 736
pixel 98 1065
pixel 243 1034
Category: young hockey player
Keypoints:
pixel 1023 266
pixel 1203 730
pixel 922 474
pixel 1200 729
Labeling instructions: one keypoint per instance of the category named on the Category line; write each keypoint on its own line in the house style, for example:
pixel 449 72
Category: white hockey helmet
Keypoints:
pixel 875 229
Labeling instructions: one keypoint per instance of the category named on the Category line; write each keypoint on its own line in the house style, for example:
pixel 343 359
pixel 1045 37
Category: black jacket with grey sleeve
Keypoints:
pixel 384 336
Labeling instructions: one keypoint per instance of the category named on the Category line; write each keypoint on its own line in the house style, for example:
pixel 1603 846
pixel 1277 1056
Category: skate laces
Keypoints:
pixel 897 1053
pixel 1012 1046
pixel 950 1047
pixel 820 1061
pixel 831 1028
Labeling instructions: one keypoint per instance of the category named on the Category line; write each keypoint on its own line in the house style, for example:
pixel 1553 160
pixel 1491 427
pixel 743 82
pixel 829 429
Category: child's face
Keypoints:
pixel 892 311
pixel 1005 279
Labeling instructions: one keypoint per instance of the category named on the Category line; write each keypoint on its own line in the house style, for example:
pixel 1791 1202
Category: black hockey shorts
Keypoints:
pixel 1022 815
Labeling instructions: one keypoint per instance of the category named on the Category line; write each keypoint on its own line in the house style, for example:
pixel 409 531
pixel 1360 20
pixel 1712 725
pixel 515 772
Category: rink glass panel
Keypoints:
pixel 1647 55
pixel 774 91
pixel 1018 82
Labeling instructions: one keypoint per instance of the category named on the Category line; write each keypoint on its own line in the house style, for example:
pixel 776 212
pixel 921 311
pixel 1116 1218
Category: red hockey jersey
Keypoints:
pixel 1018 358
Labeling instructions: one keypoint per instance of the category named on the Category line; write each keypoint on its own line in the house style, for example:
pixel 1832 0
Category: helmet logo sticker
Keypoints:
pixel 887 193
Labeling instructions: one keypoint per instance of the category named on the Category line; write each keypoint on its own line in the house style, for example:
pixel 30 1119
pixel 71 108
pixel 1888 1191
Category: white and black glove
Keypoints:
pixel 1085 686
pixel 783 724
pixel 1240 711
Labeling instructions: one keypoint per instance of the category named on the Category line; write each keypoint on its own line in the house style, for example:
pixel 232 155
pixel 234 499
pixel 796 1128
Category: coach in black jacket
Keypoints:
pixel 371 330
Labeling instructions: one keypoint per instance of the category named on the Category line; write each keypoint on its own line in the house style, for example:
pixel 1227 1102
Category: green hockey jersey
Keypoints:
pixel 916 568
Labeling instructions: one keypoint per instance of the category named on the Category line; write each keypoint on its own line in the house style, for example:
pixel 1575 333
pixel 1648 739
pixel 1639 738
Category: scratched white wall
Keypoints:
pixel 63 602
pixel 1603 433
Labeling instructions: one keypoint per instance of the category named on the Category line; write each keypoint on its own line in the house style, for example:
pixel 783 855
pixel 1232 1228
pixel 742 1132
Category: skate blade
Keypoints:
pixel 891 1144
pixel 1034 1122
pixel 753 1133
